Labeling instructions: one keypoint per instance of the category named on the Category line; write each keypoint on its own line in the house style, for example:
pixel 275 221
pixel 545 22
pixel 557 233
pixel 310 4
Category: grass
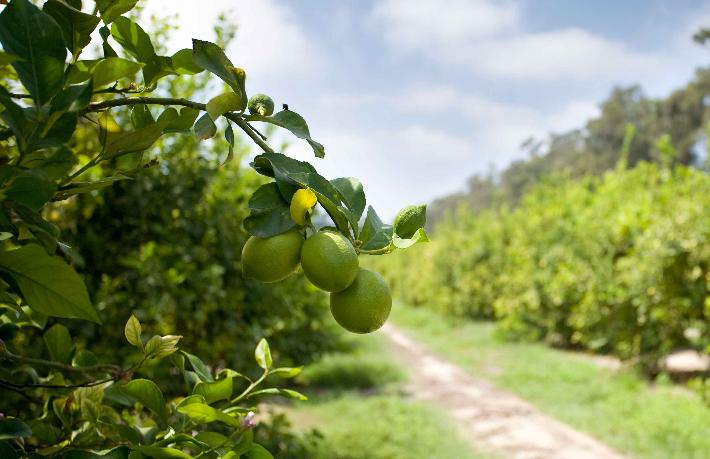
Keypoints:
pixel 649 421
pixel 357 406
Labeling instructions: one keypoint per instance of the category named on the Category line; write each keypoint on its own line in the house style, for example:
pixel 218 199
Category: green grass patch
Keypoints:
pixel 358 410
pixel 366 366
pixel 649 421
pixel 383 427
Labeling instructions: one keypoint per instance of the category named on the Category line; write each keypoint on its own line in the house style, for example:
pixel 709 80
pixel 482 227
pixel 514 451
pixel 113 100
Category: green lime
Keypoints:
pixel 329 261
pixel 261 104
pixel 365 305
pixel 272 259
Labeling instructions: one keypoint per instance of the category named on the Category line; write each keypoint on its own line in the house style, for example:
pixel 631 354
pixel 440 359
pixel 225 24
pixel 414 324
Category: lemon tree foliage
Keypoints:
pixel 76 404
pixel 613 264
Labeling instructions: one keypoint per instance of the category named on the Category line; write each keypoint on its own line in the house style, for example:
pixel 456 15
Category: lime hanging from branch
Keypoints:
pixel 272 259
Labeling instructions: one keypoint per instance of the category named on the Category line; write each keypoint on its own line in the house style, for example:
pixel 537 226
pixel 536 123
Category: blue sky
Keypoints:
pixel 414 96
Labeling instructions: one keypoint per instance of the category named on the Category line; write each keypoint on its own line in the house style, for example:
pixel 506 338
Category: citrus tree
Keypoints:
pixel 76 405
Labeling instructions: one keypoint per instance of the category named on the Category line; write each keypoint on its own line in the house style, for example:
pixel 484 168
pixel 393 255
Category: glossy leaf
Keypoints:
pixel 404 243
pixel 223 103
pixel 215 391
pixel 47 283
pixel 200 368
pixel 262 353
pixel 111 9
pixel 159 452
pixel 203 414
pixel 141 116
pixel 183 64
pixel 148 394
pixel 181 121
pixel 296 124
pixel 133 141
pixel 212 58
pixel 286 372
pixel 31 191
pixel 59 343
pixel 103 71
pixel 229 137
pixel 27 31
pixel 76 26
pixel 257 451
pixel 375 235
pixel 270 214
pixel 291 174
pixel 133 331
pixel 205 127
pixel 156 68
pixel 133 39
pixel 352 193
pixel 12 428
pixel 282 392
pixel 84 187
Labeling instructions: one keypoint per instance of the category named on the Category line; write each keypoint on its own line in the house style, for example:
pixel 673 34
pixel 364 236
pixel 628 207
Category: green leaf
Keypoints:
pixel 111 9
pixel 31 191
pixel 223 103
pixel 374 235
pixel 175 121
pixel 256 451
pixel 203 372
pixel 104 71
pixel 409 220
pixel 246 439
pixel 161 346
pixel 76 26
pixel 59 343
pixel 212 58
pixel 159 452
pixel 205 127
pixel 286 372
pixel 296 124
pixel 214 391
pixel 353 196
pixel 404 243
pixel 133 39
pixel 26 31
pixel 229 137
pixel 133 141
pixel 47 283
pixel 183 63
pixel 291 174
pixel 11 428
pixel 84 358
pixel 84 187
pixel 282 392
pixel 262 353
pixel 6 58
pixel 141 116
pixel 201 413
pixel 156 68
pixel 270 214
pixel 73 98
pixel 7 451
pixel 133 331
pixel 147 394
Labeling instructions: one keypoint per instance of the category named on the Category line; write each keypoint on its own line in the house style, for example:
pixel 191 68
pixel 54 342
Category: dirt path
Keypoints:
pixel 489 416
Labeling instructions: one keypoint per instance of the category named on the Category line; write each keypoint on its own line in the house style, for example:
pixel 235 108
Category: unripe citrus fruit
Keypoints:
pixel 329 261
pixel 261 104
pixel 365 305
pixel 272 259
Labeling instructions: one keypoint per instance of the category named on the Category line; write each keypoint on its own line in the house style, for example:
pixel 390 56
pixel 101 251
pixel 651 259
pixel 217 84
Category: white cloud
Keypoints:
pixel 269 38
pixel 413 24
pixel 484 37
pixel 560 54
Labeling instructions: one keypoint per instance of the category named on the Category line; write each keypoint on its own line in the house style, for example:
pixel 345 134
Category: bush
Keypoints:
pixel 617 264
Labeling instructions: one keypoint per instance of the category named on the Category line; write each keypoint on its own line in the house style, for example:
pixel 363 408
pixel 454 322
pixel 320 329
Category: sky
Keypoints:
pixel 415 96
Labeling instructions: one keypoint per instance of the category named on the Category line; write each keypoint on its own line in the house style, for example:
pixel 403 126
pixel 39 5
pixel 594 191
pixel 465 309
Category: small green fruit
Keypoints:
pixel 329 261
pixel 272 259
pixel 364 306
pixel 261 104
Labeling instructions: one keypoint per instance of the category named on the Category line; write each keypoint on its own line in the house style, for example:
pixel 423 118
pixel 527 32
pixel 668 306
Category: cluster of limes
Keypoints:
pixel 360 299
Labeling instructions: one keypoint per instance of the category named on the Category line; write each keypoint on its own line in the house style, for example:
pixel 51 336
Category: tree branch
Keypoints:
pixel 237 118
